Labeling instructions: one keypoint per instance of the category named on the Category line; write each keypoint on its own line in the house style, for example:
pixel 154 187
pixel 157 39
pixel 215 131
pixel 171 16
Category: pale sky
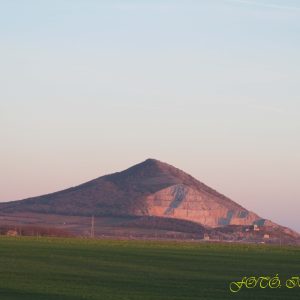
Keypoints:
pixel 212 87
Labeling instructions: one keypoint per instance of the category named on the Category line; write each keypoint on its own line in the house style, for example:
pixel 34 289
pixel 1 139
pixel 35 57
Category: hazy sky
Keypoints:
pixel 213 87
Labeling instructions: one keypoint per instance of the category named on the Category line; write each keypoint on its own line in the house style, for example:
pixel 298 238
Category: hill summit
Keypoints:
pixel 150 188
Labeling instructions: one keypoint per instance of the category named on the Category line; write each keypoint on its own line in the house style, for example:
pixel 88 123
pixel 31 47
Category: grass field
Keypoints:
pixel 73 269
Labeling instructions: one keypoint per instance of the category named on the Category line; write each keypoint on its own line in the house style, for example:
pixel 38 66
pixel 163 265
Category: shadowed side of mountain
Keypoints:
pixel 121 193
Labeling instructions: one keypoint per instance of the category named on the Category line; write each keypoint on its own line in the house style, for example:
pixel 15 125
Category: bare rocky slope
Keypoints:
pixel 151 188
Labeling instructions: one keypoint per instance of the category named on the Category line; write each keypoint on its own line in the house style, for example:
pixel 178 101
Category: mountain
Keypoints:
pixel 151 188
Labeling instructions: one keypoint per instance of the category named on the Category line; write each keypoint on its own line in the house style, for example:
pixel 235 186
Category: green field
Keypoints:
pixel 73 269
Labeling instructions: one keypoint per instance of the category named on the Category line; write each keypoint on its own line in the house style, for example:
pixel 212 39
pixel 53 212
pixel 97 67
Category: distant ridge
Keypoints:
pixel 150 188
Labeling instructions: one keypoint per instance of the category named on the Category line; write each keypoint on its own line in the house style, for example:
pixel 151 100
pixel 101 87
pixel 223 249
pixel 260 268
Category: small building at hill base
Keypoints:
pixel 12 232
